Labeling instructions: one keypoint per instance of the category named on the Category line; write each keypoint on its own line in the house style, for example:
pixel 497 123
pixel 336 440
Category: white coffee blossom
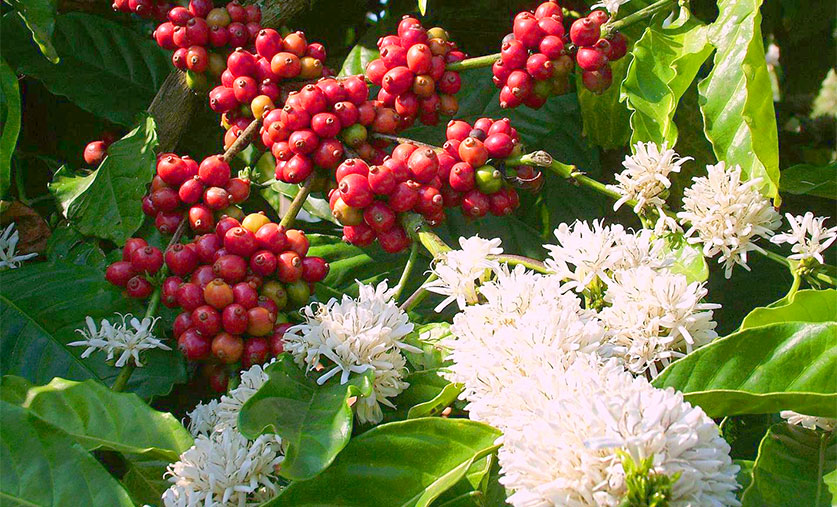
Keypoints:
pixel 654 317
pixel 204 418
pixel 612 6
pixel 390 368
pixel 727 215
pixel 353 336
pixel 584 253
pixel 529 321
pixel 125 339
pixel 646 177
pixel 459 271
pixel 808 236
pixel 8 244
pixel 561 447
pixel 224 469
pixel 808 421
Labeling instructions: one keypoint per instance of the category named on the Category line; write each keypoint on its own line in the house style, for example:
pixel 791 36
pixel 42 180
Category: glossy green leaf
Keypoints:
pixel 806 179
pixel 145 479
pixel 427 338
pixel 411 463
pixel 14 389
pixel 745 474
pixel 42 465
pixel 99 418
pixel 314 421
pixel 830 480
pixel 766 369
pixel 10 115
pixel 67 244
pixel 39 18
pixel 106 68
pixel 736 97
pixel 41 306
pixel 606 119
pixel 107 203
pixel 665 62
pixel 790 467
pixel 437 404
pixel 357 59
pixel 471 490
pixel 805 306
pixel 688 259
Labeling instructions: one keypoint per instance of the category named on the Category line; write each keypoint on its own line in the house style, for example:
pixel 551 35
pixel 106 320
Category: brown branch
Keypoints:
pixel 243 140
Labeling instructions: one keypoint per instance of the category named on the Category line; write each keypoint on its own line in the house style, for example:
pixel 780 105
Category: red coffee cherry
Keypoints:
pixel 227 348
pixel 138 287
pixel 245 294
pixel 181 260
pixel 355 191
pixel 206 320
pixel 240 241
pixel 379 216
pixel 584 32
pixel 289 267
pixel 231 268
pixel 218 294
pixel 472 151
pixel 393 240
pixel 147 259
pixel 119 273
pixel 256 351
pixel 259 321
pixel 272 237
pixel 297 241
pixel 263 262
pixel 95 152
pixel 214 171
pixel 193 345
pixel 475 204
pixel 181 323
pixel 234 319
pixel 423 165
pixel 360 235
pixel 132 245
pixel 314 269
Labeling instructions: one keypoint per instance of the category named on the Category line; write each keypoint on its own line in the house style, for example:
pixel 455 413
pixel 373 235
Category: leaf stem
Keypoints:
pixel 520 260
pixel 243 140
pixel 630 19
pixel 474 63
pixel 417 296
pixel 296 204
pixel 418 230
pixel 408 269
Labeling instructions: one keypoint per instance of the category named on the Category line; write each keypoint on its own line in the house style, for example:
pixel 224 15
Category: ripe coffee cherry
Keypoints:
pixel 499 145
pixel 200 219
pixel 224 225
pixel 379 216
pixel 181 323
pixel 462 177
pixel 328 154
pixel 197 59
pixel 584 32
pixel 214 171
pixel 222 99
pixel 147 259
pixel 190 191
pixel 277 342
pixel 240 241
pixel 398 167
pixel 527 31
pixel 259 321
pixel 289 267
pixel 202 275
pixel 458 130
pixel 418 58
pixel 618 46
pixel 303 141
pixel 227 348
pixel 597 81
pixel 272 237
pixel 132 245
pixel 356 89
pixel 263 262
pixel 297 241
pixel 285 65
pixel 119 273
pixel 393 240
pixel 189 296
pixel 238 190
pixel 206 246
pixel 513 54
pixel 539 66
pixel 397 80
pixel 423 165
pixel 218 294
pixel 138 287
pixel 355 191
pixel 295 43
pixel 181 260
pixel 381 180
pixel 165 199
pixel 268 43
pixel 475 204
pixel 206 320
pixel 95 152
pixel 375 71
pixel 325 125
pixel 234 319
pixel 193 345
pixel 256 351
pixel 314 269
pixel 472 151
pixel 430 201
pixel 598 17
pixel 590 59
pixel 360 235
pixel 297 169
pixel 172 170
pixel 231 268
pixel 216 198
pixel 403 198
pixel 245 295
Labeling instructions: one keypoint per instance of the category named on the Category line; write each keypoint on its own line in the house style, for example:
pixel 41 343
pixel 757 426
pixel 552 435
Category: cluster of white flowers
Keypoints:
pixel 223 467
pixel 646 178
pixel 126 338
pixel 8 244
pixel 808 236
pixel 458 271
pixel 808 421
pixel 353 336
pixel 727 215
pixel 560 447
pixel 612 6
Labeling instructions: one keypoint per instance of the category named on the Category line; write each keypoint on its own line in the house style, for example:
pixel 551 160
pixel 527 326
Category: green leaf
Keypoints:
pixel 106 68
pixel 39 17
pixel 145 479
pixel 665 62
pixel 437 404
pixel 766 369
pixel 806 179
pixel 357 59
pixel 427 338
pixel 470 491
pixel 736 97
pixel 41 306
pixel 10 115
pixel 830 480
pixel 606 119
pixel 314 421
pixel 411 463
pixel 99 418
pixel 67 244
pixel 804 306
pixel 790 467
pixel 745 473
pixel 688 259
pixel 42 465
pixel 107 203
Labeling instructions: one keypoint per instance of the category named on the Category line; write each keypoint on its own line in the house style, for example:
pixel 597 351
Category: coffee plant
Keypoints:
pixel 388 253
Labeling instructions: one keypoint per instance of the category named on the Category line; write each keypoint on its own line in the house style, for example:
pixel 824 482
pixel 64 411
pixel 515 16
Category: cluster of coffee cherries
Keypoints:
pixel 593 53
pixel 232 285
pixel 149 9
pixel 250 84
pixel 310 130
pixel 533 63
pixel 97 150
pixel 478 180
pixel 412 76
pixel 198 191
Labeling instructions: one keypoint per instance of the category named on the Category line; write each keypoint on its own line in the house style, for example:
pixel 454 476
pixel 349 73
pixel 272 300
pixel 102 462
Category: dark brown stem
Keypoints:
pixel 296 204
pixel 243 140
pixel 399 139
